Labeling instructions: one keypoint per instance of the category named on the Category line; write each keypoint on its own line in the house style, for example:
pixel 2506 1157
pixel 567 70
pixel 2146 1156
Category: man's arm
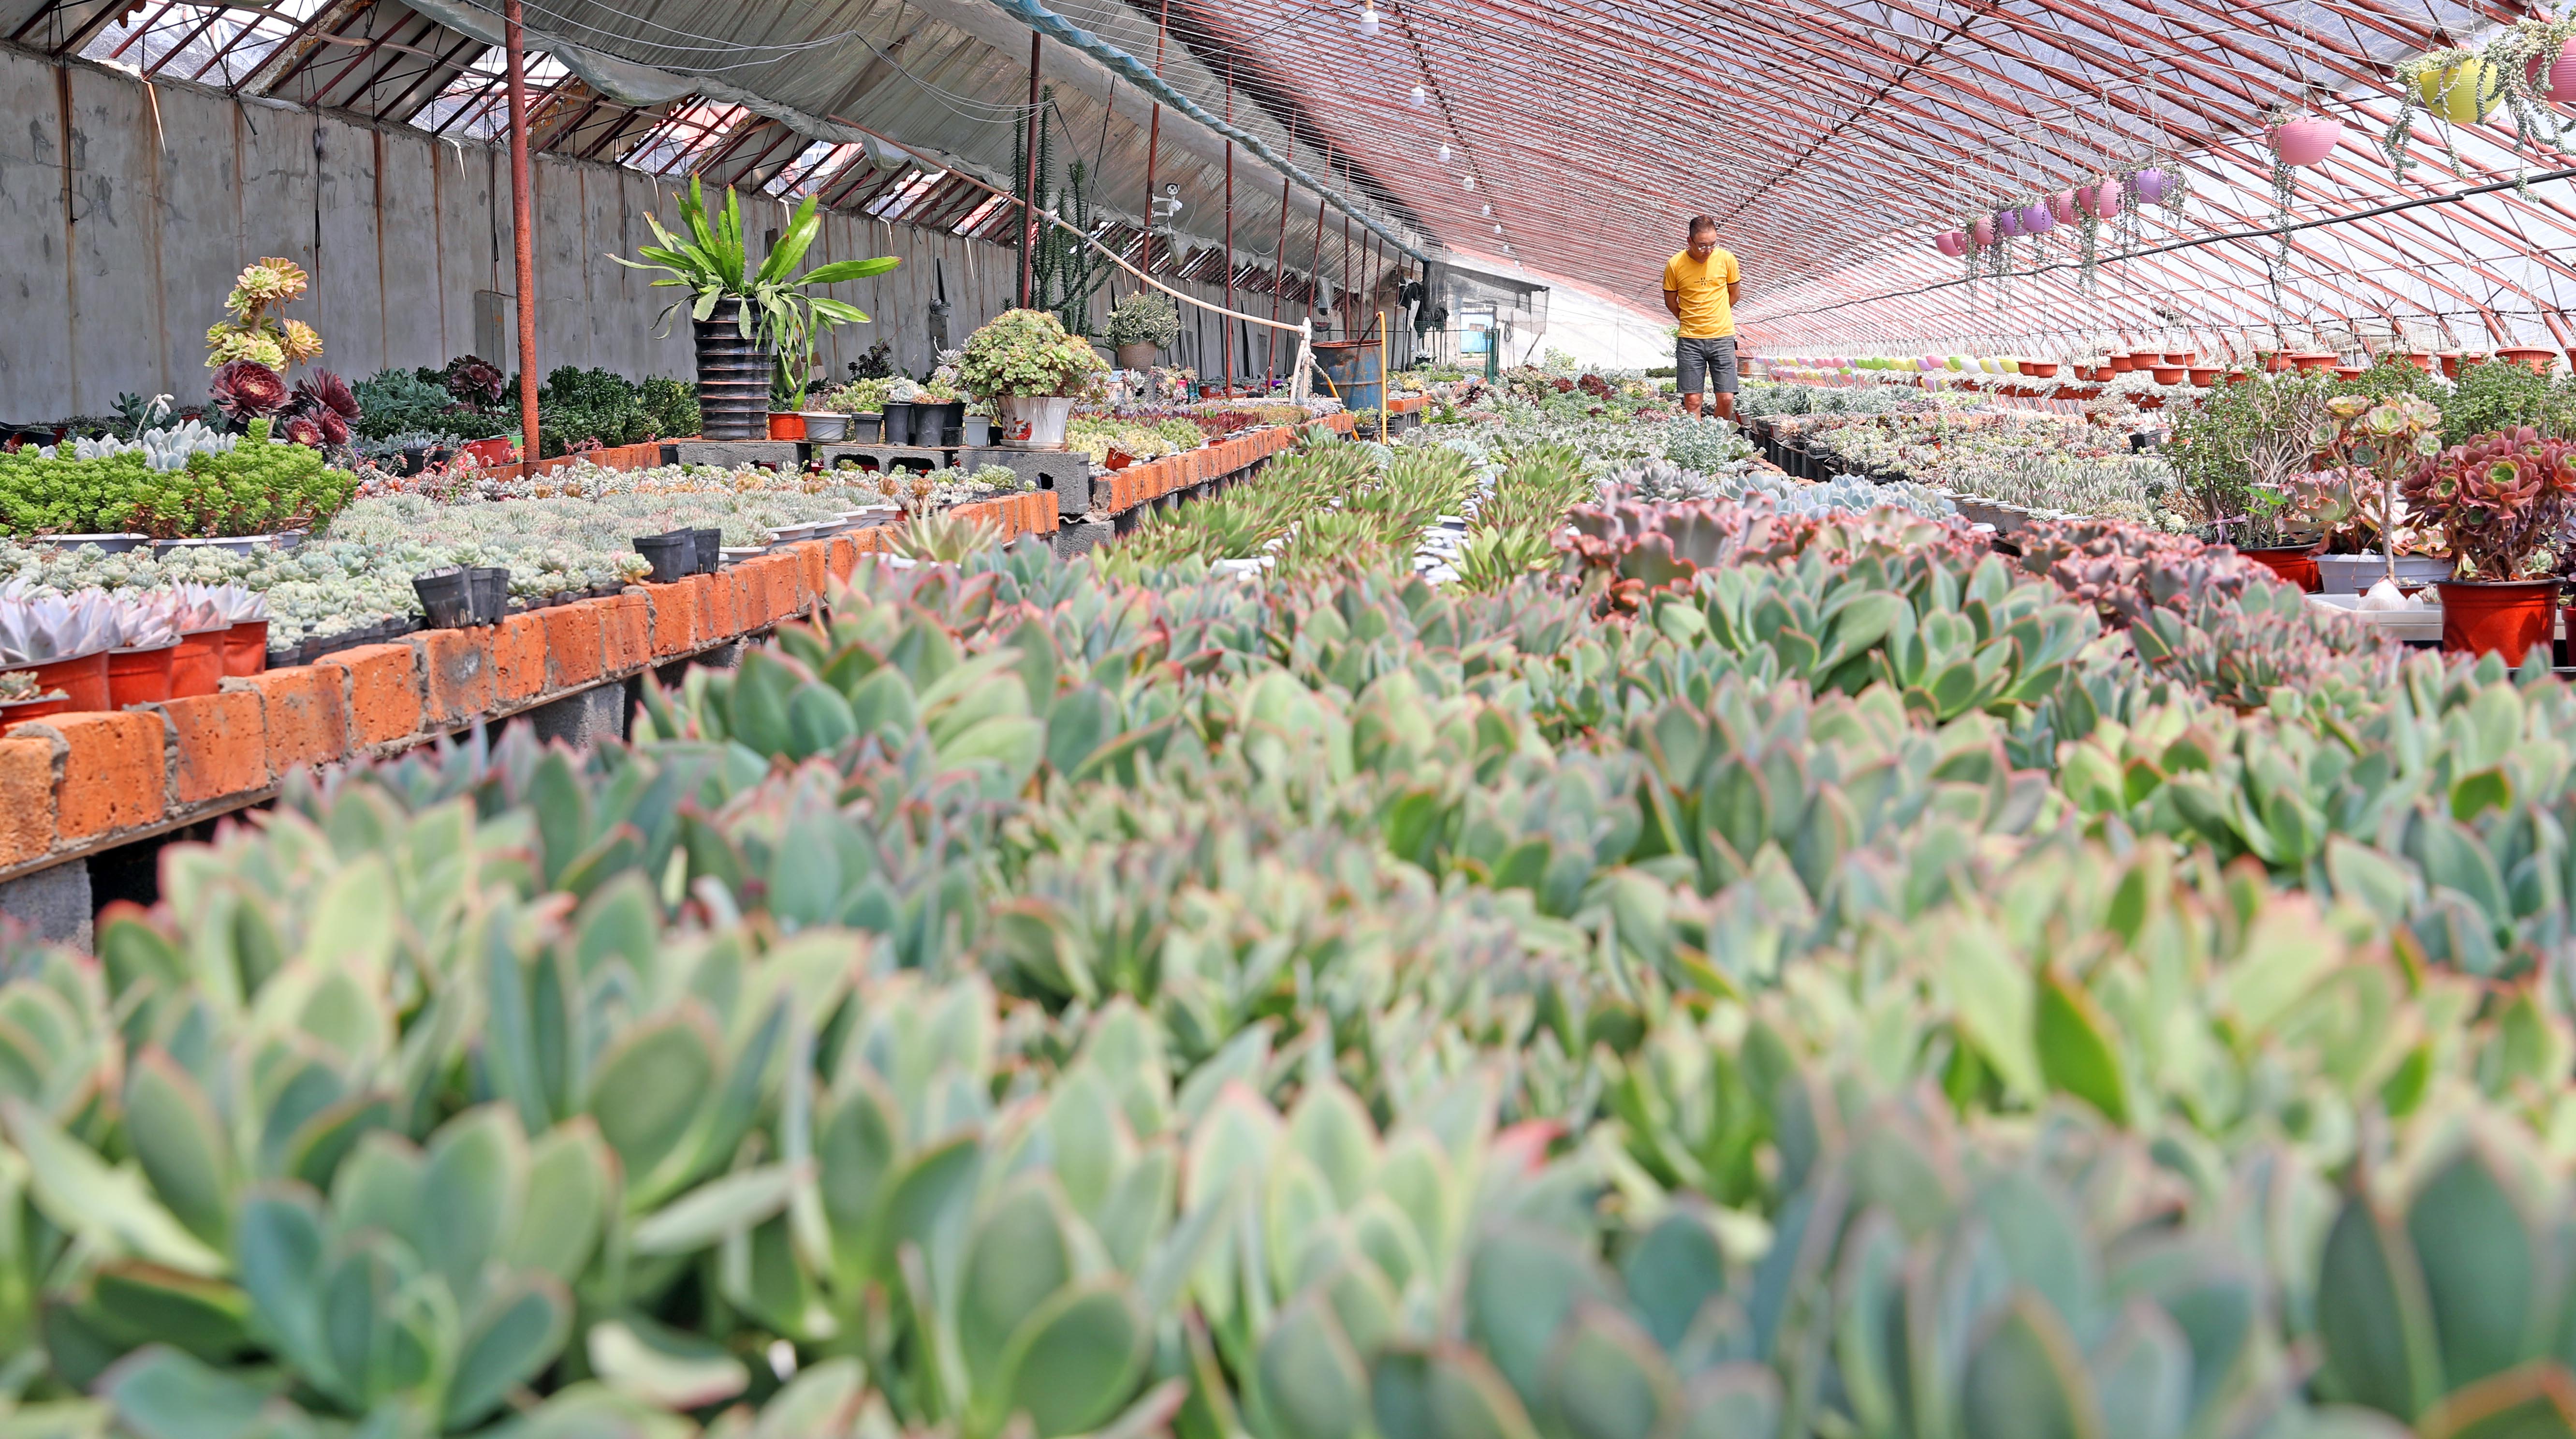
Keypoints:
pixel 1673 302
pixel 1734 292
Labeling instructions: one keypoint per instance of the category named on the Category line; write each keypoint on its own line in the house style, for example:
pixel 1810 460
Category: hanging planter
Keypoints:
pixel 2558 82
pixel 2062 205
pixel 2101 200
pixel 1951 243
pixel 2151 185
pixel 2008 222
pixel 2457 92
pixel 1982 230
pixel 2306 143
pixel 2037 219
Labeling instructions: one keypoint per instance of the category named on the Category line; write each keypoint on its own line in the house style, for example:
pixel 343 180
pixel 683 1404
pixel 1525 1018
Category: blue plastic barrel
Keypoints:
pixel 1353 366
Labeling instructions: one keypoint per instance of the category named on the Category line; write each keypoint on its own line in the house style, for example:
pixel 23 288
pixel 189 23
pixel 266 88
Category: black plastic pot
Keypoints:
pixel 488 588
pixel 674 555
pixel 898 421
pixel 445 595
pixel 936 424
pixel 710 549
pixel 414 460
pixel 865 429
pixel 733 377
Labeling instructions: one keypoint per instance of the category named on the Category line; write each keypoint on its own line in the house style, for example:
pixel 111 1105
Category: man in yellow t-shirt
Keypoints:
pixel 1700 287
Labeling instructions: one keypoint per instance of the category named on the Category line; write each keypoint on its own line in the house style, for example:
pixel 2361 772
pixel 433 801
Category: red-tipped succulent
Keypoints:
pixel 247 389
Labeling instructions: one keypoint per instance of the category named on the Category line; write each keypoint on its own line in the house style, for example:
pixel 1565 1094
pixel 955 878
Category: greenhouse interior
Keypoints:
pixel 1376 719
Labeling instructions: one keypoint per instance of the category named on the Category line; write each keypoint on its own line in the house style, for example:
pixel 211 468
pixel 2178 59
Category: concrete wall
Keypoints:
pixel 126 209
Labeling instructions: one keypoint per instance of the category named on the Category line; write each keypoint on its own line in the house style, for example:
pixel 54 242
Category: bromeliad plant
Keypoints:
pixel 712 263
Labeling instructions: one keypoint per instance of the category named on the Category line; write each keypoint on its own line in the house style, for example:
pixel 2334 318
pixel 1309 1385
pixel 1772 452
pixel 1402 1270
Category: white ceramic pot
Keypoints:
pixel 2355 574
pixel 1033 422
pixel 826 426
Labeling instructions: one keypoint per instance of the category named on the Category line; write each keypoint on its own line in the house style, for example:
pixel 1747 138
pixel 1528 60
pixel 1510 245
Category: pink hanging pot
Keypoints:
pixel 1982 229
pixel 2036 218
pixel 2101 201
pixel 1950 242
pixel 2305 143
pixel 2062 205
pixel 2151 186
pixel 2558 81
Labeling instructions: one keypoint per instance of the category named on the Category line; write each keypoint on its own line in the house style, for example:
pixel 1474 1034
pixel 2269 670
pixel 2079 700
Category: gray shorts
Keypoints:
pixel 1696 361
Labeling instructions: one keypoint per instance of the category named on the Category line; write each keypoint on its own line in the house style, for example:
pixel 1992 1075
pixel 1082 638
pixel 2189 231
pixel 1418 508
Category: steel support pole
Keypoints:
pixel 1154 141
pixel 1278 281
pixel 1315 262
pixel 1229 326
pixel 522 222
pixel 1029 182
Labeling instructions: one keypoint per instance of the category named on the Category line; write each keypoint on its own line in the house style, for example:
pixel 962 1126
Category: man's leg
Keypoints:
pixel 1690 373
pixel 1722 375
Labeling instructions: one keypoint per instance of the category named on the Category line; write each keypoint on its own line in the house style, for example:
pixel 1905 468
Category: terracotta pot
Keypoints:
pixel 2039 369
pixel 140 675
pixel 2274 362
pixel 2313 360
pixel 2423 359
pixel 2152 402
pixel 2538 359
pixel 2170 374
pixel 2204 375
pixel 83 680
pixel 2497 617
pixel 2120 364
pixel 2237 377
pixel 494 451
pixel 198 667
pixel 786 425
pixel 2347 372
pixel 2294 564
pixel 1118 459
pixel 246 648
pixel 2450 367
pixel 2183 358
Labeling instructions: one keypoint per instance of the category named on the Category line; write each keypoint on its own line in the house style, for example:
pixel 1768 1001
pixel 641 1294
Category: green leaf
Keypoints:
pixel 1018 1256
pixel 2074 1044
pixel 716 1209
pixel 650 1086
pixel 2027 1380
pixel 664 1367
pixel 1077 1359
pixel 2373 1314
pixel 179 1142
pixel 1607 1380
pixel 518 1335
pixel 110 1207
pixel 1312 1385
pixel 163 1394
pixel 2481 1259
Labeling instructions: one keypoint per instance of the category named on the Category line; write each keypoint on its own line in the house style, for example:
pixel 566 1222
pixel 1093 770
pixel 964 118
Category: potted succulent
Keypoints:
pixel 1032 371
pixel 1140 326
pixel 2502 501
pixel 751 324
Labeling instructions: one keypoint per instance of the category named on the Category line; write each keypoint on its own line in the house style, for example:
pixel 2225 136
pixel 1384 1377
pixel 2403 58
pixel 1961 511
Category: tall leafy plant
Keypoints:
pixel 713 263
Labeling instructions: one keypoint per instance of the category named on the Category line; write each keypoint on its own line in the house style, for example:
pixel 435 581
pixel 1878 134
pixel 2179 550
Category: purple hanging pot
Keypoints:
pixel 2151 186
pixel 2036 219
pixel 2008 222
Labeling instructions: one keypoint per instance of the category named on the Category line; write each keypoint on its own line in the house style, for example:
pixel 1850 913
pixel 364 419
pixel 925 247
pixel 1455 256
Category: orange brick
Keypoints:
pixel 778 577
pixel 113 773
pixel 572 643
pixel 519 658
pixel 715 608
pixel 455 673
pixel 841 556
pixel 384 692
pixel 745 583
pixel 813 557
pixel 305 713
pixel 625 632
pixel 673 609
pixel 1049 521
pixel 222 744
pixel 26 799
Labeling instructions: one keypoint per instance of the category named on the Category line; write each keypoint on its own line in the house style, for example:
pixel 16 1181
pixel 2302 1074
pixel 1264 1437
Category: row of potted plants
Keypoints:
pixel 95 649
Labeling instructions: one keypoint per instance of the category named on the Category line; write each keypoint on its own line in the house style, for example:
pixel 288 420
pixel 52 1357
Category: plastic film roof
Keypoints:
pixel 1832 139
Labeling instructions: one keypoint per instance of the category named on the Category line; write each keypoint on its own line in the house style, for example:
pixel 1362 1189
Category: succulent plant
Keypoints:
pixel 245 390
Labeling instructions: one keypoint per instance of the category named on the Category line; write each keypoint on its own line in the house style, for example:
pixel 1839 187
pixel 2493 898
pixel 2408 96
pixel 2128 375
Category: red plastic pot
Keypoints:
pixel 83 681
pixel 140 675
pixel 2170 374
pixel 494 451
pixel 2294 564
pixel 198 667
pixel 786 425
pixel 2538 359
pixel 12 711
pixel 2204 375
pixel 2183 358
pixel 246 648
pixel 2314 360
pixel 2497 617
pixel 2120 364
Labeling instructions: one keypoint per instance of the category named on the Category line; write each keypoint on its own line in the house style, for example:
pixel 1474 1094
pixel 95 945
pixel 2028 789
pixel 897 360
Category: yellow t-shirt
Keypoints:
pixel 1706 315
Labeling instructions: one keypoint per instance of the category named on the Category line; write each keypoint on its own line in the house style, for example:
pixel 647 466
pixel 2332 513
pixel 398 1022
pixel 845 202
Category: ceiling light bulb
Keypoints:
pixel 1470 182
pixel 1498 229
pixel 1444 154
pixel 1485 210
pixel 1420 95
pixel 1368 20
